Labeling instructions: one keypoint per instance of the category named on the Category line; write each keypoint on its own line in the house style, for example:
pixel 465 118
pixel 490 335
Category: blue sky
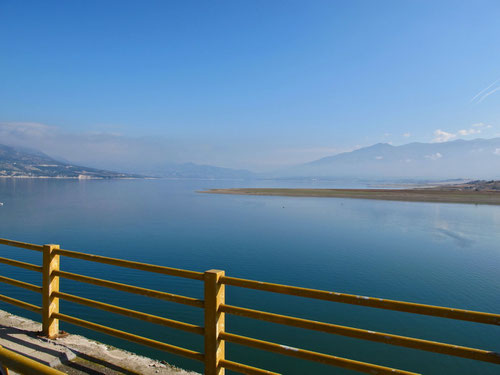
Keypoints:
pixel 253 84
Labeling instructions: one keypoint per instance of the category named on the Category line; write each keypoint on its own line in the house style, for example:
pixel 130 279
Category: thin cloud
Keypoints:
pixel 25 130
pixel 488 94
pixel 407 135
pixel 435 156
pixel 482 125
pixel 484 90
pixel 109 150
pixel 469 131
pixel 442 136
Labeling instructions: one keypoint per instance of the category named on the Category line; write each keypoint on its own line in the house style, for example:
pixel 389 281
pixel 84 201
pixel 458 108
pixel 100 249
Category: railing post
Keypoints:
pixel 214 322
pixel 50 284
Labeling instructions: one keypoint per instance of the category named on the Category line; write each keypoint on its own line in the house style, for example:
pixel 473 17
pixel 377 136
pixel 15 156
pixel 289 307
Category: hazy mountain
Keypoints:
pixel 196 171
pixel 460 159
pixel 25 162
pixel 475 159
pixel 22 162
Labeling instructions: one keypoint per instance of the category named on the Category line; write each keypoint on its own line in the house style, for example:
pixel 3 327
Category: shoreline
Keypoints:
pixel 74 178
pixel 431 195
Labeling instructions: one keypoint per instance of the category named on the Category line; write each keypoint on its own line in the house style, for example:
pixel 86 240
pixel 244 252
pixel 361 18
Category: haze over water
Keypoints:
pixel 443 254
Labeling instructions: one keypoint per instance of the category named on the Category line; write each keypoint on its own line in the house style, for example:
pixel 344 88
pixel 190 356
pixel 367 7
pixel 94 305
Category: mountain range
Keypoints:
pixel 459 159
pixel 466 159
pixel 22 162
pixel 197 171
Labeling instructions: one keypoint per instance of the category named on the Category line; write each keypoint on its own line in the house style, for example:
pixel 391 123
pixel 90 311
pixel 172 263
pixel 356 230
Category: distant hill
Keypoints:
pixel 478 185
pixel 197 171
pixel 21 162
pixel 474 159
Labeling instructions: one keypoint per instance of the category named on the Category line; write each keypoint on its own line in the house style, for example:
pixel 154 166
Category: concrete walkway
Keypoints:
pixel 75 355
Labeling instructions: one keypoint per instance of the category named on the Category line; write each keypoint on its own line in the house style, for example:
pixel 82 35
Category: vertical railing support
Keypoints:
pixel 214 322
pixel 50 284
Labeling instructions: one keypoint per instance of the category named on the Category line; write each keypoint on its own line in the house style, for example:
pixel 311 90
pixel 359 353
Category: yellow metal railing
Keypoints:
pixel 215 310
pixel 10 360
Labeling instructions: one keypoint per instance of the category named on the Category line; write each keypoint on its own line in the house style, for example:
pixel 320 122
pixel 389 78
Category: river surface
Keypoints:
pixel 434 253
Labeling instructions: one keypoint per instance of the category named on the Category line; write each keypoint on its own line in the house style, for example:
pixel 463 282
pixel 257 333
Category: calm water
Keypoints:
pixel 443 254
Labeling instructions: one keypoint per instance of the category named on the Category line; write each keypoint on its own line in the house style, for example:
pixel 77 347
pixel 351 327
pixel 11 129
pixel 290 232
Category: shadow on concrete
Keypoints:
pixel 85 364
pixel 30 349
pixel 67 360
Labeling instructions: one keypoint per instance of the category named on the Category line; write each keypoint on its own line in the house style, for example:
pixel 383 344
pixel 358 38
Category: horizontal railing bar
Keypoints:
pixel 312 356
pixel 131 337
pixel 131 313
pixel 19 363
pixel 21 304
pixel 24 245
pixel 408 342
pixel 131 289
pixel 130 264
pixel 16 263
pixel 416 308
pixel 244 369
pixel 21 284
